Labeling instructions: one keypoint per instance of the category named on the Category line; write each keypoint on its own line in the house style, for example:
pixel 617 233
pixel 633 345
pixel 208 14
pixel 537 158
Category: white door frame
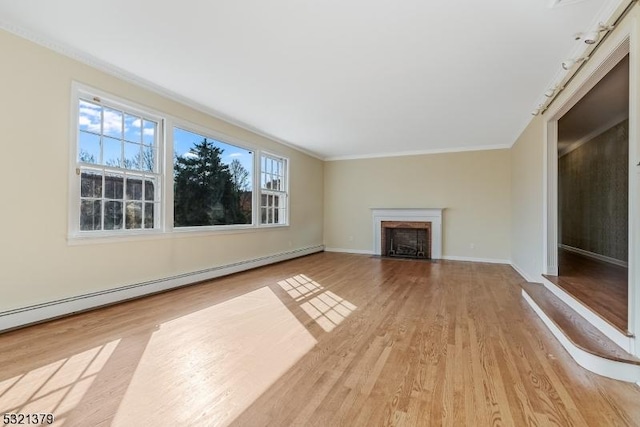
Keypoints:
pixel 623 41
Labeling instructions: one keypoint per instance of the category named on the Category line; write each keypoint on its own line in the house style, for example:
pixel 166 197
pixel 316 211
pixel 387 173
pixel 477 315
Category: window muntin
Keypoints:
pixel 212 181
pixel 119 175
pixel 120 181
pixel 273 190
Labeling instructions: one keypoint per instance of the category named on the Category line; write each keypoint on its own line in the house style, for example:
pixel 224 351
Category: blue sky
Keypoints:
pixel 138 134
pixel 183 140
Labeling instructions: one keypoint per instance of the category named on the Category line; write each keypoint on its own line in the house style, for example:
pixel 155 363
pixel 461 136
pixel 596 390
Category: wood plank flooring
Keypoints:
pixel 325 340
pixel 601 286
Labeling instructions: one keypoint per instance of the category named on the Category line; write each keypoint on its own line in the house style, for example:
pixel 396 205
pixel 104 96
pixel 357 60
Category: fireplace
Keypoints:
pixel 409 239
pixel 429 220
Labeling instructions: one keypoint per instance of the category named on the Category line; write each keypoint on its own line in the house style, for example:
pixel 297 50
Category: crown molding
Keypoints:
pixel 420 152
pixel 92 61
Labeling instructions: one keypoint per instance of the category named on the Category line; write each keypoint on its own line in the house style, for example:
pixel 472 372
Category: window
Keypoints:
pixel 273 190
pixel 116 163
pixel 124 181
pixel 212 181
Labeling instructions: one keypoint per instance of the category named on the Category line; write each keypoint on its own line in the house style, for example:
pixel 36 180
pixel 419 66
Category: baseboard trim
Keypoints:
pixel 24 316
pixel 595 255
pixel 446 257
pixel 350 251
pixel 472 259
pixel 521 272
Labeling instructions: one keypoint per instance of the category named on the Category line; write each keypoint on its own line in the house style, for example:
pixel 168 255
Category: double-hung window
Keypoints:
pixel 273 190
pixel 119 186
pixel 117 168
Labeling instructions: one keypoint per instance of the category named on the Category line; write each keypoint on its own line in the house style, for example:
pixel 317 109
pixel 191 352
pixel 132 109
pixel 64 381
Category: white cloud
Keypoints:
pixel 89 117
pixel 235 155
pixel 112 122
pixel 190 155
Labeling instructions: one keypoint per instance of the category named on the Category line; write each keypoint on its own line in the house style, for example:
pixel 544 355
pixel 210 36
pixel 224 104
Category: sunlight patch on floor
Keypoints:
pixel 327 309
pixel 55 388
pixel 299 287
pixel 209 366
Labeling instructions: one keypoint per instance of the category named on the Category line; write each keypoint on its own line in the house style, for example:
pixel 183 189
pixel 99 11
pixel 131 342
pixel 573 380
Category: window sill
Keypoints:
pixel 185 232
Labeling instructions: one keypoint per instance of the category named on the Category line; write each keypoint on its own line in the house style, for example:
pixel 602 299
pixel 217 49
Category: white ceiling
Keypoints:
pixel 340 79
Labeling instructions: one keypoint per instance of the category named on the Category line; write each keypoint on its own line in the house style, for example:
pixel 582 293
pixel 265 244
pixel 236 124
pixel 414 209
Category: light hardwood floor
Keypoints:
pixel 327 340
pixel 601 286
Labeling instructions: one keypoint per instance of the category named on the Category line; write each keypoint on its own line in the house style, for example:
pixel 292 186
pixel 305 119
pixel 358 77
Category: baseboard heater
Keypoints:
pixel 20 317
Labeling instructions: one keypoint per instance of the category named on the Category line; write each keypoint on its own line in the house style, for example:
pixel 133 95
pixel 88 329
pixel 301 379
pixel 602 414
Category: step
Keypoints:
pixel 589 347
pixel 562 284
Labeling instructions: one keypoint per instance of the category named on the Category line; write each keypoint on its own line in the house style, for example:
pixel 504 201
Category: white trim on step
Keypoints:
pixel 16 318
pixel 599 365
pixel 622 340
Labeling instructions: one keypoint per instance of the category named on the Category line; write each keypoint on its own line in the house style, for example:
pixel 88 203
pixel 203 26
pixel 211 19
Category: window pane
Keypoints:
pixel 89 148
pixel 148 158
pixel 263 215
pixel 91 184
pixel 132 128
pixel 148 215
pixel 212 181
pixel 112 154
pixel 132 156
pixel 149 132
pixel 113 187
pixel 112 215
pixel 90 215
pixel 112 123
pixel 134 189
pixel 89 117
pixel 149 189
pixel 134 215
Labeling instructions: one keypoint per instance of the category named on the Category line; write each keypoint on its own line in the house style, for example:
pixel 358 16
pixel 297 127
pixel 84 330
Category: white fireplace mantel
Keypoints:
pixel 432 215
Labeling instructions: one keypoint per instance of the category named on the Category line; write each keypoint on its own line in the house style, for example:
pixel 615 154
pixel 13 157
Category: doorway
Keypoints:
pixel 593 197
pixel 619 49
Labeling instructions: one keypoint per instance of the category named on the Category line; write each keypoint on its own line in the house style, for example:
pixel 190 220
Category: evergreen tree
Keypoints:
pixel 204 191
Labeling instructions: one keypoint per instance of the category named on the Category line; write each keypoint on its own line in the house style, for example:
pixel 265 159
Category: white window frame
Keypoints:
pixel 263 191
pixel 220 137
pixel 82 92
pixel 163 214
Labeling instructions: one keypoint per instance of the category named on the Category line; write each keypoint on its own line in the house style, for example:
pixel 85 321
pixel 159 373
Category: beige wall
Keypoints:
pixel 37 263
pixel 527 163
pixel 474 187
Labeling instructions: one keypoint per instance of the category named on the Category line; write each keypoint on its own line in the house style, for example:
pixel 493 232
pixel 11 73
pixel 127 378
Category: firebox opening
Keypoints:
pixel 406 240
